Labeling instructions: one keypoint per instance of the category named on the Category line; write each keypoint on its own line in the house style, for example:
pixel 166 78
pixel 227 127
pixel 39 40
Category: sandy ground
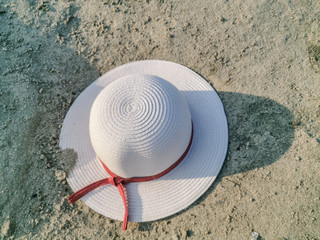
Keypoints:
pixel 263 57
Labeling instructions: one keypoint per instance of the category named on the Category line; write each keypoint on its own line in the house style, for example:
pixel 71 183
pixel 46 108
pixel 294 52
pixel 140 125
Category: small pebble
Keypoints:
pixel 222 19
pixel 254 236
pixel 60 175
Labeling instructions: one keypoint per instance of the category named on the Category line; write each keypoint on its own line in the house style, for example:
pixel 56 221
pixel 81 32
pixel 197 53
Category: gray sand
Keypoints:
pixel 263 57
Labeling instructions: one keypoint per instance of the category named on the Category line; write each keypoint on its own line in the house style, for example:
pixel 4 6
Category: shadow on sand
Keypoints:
pixel 260 132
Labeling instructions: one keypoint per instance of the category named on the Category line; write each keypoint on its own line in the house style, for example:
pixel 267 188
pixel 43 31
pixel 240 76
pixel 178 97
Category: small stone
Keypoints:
pixel 42 5
pixel 222 19
pixel 254 236
pixel 40 90
pixel 5 72
pixel 60 175
pixel 189 233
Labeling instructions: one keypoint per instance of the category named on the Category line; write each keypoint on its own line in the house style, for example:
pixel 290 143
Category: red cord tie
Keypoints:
pixel 115 181
pixel 118 182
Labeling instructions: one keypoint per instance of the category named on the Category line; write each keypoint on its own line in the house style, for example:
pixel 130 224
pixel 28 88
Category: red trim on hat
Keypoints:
pixel 118 182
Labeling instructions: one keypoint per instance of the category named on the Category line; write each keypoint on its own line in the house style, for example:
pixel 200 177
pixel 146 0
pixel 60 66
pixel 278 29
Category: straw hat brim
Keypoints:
pixel 148 201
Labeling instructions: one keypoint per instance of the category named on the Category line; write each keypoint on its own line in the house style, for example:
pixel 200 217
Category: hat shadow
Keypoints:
pixel 260 132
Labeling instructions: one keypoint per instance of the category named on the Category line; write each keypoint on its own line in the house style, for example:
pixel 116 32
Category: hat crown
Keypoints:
pixel 139 125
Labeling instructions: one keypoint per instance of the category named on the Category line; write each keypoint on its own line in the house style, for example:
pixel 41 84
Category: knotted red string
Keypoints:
pixel 119 182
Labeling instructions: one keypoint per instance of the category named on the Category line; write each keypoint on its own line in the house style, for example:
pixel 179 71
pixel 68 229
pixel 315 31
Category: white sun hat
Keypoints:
pixel 153 131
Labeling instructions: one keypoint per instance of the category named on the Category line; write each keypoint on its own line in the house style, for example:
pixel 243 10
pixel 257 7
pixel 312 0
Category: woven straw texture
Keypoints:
pixel 179 188
pixel 139 125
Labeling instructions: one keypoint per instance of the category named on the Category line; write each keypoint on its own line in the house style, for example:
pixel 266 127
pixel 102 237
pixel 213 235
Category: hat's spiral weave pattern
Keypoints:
pixel 139 125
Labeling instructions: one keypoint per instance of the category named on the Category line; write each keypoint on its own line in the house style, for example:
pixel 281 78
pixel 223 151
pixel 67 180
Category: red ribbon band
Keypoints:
pixel 119 182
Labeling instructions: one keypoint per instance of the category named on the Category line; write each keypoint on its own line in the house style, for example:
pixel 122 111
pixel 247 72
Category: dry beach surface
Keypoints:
pixel 263 58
